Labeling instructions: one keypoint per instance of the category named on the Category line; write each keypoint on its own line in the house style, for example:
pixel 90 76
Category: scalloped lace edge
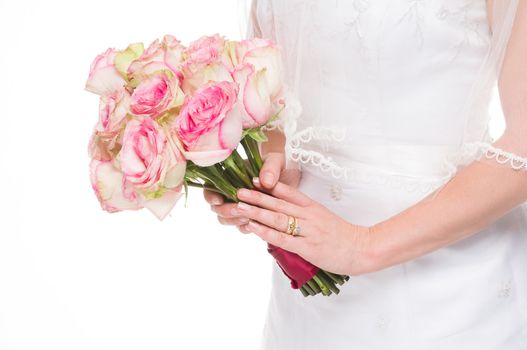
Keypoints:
pixel 450 166
pixel 503 157
pixel 467 153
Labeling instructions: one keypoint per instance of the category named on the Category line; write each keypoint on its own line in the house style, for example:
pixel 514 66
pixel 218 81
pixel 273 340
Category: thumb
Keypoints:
pixel 271 169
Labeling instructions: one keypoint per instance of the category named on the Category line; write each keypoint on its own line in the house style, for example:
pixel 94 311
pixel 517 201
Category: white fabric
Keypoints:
pixel 383 86
pixel 360 54
pixel 470 295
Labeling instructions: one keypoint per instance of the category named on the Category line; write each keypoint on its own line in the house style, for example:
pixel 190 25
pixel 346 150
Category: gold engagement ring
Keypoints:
pixel 293 228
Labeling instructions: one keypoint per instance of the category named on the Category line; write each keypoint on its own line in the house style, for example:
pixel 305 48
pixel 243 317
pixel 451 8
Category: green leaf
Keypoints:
pixel 185 185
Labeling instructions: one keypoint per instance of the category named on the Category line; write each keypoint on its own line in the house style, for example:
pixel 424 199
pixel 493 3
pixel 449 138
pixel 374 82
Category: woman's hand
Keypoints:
pixel 272 172
pixel 325 239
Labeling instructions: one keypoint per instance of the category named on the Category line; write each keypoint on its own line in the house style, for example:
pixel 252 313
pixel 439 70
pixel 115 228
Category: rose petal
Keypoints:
pixel 175 175
pixel 267 58
pixel 162 206
pixel 207 158
pixel 230 132
pixel 257 98
pixel 105 81
pixel 107 182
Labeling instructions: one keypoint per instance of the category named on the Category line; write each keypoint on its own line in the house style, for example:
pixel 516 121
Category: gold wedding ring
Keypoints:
pixel 292 226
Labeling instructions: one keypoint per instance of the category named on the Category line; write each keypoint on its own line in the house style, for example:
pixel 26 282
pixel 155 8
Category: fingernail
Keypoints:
pixel 256 181
pixel 243 207
pixel 268 178
pixel 243 221
pixel 242 192
pixel 216 201
pixel 234 211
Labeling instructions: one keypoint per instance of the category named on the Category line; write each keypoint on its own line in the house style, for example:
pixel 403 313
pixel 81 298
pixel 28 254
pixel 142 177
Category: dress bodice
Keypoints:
pixel 387 75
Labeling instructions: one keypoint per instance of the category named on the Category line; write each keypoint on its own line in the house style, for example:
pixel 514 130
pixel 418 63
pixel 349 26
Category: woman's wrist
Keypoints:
pixel 365 250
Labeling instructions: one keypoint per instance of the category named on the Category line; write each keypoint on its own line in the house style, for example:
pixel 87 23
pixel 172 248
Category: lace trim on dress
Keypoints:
pixel 327 165
pixel 450 166
pixel 503 157
pixel 477 150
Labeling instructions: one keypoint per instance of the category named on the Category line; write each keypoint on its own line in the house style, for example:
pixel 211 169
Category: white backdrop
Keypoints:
pixel 71 275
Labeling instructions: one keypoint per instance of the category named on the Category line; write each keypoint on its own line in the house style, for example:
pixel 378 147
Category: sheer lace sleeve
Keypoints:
pixel 511 148
pixel 254 29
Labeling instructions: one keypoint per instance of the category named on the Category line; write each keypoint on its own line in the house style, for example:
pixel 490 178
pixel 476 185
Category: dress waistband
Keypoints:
pixel 409 160
pixel 410 165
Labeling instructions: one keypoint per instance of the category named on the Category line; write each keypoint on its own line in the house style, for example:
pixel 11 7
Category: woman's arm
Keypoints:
pixel 474 198
pixel 480 193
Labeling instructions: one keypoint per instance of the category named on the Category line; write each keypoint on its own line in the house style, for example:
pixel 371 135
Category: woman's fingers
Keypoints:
pixel 227 210
pixel 266 201
pixel 244 229
pixel 277 238
pixel 271 169
pixel 212 197
pixel 285 192
pixel 233 221
pixel 276 220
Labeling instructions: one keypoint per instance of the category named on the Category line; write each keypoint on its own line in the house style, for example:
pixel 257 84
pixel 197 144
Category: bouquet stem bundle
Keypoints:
pixel 234 173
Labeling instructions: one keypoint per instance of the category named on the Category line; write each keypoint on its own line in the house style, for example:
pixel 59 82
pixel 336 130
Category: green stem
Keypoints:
pixel 333 277
pixel 325 289
pixel 327 282
pixel 250 158
pixel 304 292
pixel 244 165
pixel 209 188
pixel 234 178
pixel 253 153
pixel 342 279
pixel 309 290
pixel 256 153
pixel 314 286
pixel 230 163
pixel 212 175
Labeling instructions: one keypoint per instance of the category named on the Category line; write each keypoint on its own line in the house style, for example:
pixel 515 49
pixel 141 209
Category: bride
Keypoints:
pixel 392 175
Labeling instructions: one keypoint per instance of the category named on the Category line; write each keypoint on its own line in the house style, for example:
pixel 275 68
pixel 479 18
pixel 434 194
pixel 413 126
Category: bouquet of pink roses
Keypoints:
pixel 173 116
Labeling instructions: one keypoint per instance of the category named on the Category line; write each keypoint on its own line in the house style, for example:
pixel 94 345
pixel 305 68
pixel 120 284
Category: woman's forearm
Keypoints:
pixel 478 194
pixel 476 197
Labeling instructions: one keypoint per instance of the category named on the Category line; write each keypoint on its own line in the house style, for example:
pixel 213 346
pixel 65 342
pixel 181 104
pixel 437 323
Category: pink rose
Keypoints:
pixel 153 165
pixel 104 79
pixel 209 124
pixel 258 73
pixel 113 110
pixel 156 95
pixel 111 188
pixel 206 60
pixel 255 97
pixel 160 55
pixel 104 143
pixel 205 50
pixel 263 55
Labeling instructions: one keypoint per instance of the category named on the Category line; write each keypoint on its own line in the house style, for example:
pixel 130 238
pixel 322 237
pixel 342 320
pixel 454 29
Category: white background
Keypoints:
pixel 71 275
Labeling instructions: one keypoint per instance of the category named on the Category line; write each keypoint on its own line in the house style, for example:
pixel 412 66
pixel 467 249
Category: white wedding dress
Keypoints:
pixel 395 74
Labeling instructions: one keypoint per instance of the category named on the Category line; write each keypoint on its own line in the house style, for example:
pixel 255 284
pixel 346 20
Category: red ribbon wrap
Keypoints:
pixel 294 266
